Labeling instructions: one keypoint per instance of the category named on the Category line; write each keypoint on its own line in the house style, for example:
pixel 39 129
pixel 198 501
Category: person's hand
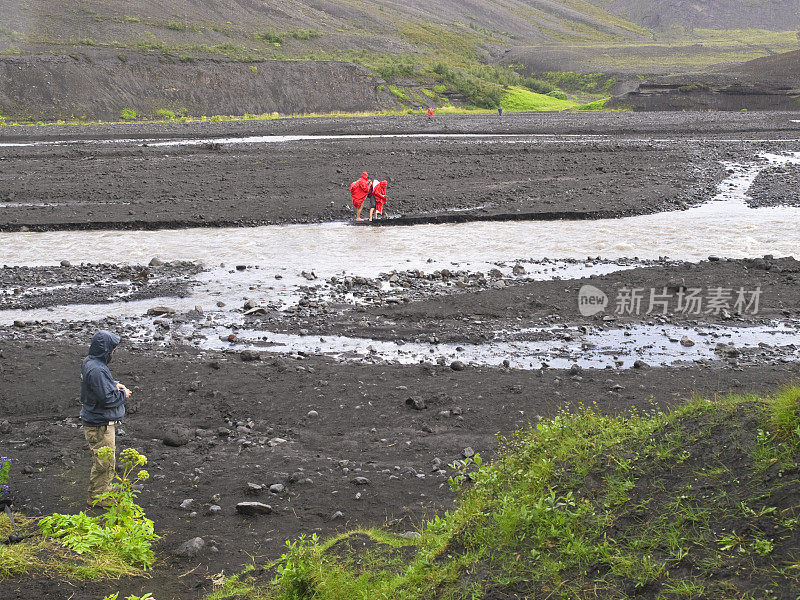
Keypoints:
pixel 124 389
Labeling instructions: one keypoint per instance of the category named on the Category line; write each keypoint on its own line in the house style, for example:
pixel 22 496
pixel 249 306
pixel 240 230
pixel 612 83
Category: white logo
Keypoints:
pixel 591 300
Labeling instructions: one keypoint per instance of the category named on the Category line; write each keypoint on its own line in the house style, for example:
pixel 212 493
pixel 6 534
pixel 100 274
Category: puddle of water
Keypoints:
pixel 657 345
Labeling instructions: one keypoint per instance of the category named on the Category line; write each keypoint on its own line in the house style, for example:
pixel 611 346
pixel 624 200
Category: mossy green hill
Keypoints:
pixel 697 502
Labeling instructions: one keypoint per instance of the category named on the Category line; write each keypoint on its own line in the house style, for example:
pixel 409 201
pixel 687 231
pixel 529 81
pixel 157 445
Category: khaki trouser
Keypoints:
pixel 102 470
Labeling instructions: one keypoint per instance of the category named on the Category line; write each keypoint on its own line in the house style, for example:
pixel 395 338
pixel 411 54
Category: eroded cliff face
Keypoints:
pixel 100 86
pixel 693 92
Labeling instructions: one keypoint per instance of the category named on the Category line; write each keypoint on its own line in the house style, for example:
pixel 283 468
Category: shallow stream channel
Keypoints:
pixel 271 269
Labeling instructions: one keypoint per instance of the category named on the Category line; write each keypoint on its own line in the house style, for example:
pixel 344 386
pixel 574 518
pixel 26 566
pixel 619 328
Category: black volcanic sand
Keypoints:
pixel 776 186
pixel 225 411
pixel 644 163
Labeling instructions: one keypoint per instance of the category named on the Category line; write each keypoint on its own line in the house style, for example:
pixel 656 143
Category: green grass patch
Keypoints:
pixel 38 554
pixel 596 105
pixel 399 93
pixel 519 98
pixel 304 34
pixel 663 504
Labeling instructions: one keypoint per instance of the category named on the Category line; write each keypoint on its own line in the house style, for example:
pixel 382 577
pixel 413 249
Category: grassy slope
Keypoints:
pixel 699 502
pixel 518 98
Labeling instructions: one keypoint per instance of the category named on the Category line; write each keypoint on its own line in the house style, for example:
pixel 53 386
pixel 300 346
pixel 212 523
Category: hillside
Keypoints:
pixel 400 43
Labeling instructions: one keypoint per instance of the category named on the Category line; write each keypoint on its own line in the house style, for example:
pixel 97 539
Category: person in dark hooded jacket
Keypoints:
pixel 103 399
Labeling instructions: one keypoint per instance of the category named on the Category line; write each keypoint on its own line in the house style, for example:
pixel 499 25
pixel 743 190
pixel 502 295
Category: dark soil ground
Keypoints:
pixel 646 164
pixel 221 415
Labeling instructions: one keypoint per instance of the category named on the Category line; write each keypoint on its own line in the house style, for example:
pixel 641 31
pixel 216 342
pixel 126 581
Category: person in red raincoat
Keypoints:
pixel 378 196
pixel 358 191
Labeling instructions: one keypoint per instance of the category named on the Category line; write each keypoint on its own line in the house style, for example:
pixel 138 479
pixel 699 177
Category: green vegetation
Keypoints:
pixel 519 98
pixel 270 37
pixel 123 531
pixel 667 504
pixel 128 114
pixel 81 547
pixel 87 42
pixel 399 93
pixel 596 105
pixel 181 26
pixel 304 34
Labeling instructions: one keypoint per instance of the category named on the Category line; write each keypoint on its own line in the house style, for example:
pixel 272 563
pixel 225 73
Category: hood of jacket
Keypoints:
pixel 103 343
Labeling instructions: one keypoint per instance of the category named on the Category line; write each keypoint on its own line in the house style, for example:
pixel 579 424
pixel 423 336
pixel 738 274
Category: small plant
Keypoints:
pixel 115 596
pixel 128 114
pixel 304 34
pixel 87 42
pixel 123 530
pixel 294 569
pixel 254 69
pixel 163 113
pixel 462 469
pixel 129 19
pixel 270 37
pixel 5 468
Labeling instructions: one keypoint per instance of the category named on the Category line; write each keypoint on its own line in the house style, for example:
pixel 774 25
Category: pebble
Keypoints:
pixel 360 481
pixel 187 504
pixel 253 508
pixel 277 488
pixel 457 365
pixel 191 547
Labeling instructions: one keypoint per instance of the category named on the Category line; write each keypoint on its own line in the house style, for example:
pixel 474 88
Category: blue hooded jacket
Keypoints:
pixel 102 401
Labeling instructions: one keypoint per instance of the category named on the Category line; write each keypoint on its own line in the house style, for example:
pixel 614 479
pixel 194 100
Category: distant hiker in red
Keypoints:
pixel 358 191
pixel 377 195
pixel 430 113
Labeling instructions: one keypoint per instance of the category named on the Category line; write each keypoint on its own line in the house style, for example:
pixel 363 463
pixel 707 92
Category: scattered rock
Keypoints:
pixel 187 504
pixel 250 355
pixel 410 535
pixel 417 403
pixel 191 548
pixel 179 436
pixel 161 311
pixel 156 262
pixel 253 508
pixel 254 488
pixel 5 427
pixel 640 364
pixel 457 365
pixel 687 341
pixel 66 263
pixel 360 481
pixel 337 515
pixel 277 488
pixel 468 452
pixel 312 414
pixel 275 441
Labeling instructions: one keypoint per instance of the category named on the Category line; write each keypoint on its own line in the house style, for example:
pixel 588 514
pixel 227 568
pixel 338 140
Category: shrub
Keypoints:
pixel 128 114
pixel 123 530
pixel 304 34
pixel 165 114
pixel 254 69
pixel 557 94
pixel 270 37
